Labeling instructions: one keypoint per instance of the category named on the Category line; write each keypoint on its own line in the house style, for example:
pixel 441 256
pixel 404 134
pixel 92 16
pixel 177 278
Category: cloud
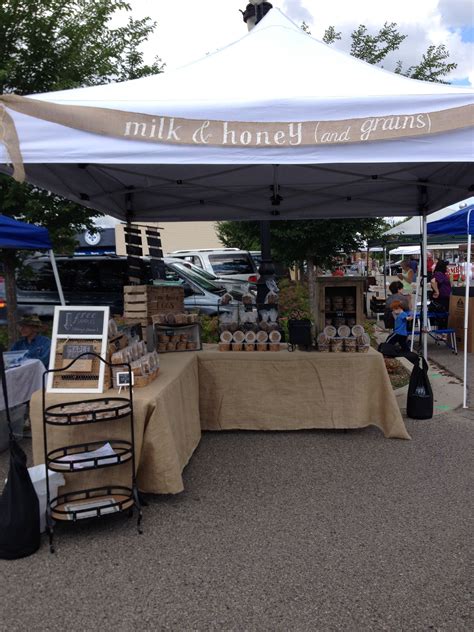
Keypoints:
pixel 295 10
pixel 456 13
pixel 204 26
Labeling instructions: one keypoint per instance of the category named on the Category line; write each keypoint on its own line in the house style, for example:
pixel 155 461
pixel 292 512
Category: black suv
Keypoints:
pixel 99 280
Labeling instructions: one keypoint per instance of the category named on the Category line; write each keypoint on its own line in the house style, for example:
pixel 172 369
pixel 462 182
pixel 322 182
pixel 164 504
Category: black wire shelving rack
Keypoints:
pixel 92 502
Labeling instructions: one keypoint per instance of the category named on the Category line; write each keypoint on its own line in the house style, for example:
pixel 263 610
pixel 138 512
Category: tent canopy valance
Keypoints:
pixel 23 236
pixel 459 223
pixel 274 126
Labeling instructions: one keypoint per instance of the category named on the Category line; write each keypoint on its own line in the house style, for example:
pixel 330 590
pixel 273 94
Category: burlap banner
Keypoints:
pixel 181 131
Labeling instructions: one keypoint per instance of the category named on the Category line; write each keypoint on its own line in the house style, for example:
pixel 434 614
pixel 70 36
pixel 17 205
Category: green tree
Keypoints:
pixel 374 48
pixel 296 241
pixel 56 45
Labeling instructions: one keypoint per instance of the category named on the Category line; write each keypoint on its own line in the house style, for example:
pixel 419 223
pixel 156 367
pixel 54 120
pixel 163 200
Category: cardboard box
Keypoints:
pixel 456 321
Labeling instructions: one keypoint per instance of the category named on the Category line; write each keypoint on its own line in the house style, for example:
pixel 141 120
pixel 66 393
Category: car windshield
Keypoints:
pixel 199 271
pixel 196 278
pixel 232 263
pixel 257 257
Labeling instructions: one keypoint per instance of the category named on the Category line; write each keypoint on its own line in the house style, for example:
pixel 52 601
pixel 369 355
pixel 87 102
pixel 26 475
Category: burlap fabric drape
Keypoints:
pixel 219 391
pixel 291 391
pixel 167 430
pixel 224 133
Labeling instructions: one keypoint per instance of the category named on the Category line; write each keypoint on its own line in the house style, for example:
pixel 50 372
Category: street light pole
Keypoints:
pixel 254 12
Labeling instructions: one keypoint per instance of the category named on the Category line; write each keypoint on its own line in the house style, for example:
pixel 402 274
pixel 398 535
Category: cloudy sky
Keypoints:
pixel 189 29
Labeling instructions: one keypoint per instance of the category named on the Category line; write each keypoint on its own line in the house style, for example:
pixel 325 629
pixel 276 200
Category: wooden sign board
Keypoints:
pixel 78 330
pixel 169 299
pixel 72 351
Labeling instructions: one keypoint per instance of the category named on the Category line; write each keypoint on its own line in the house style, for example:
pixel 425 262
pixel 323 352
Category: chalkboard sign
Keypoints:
pixel 123 378
pixel 78 330
pixel 80 322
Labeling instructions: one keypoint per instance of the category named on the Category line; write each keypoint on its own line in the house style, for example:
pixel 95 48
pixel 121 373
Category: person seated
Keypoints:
pixel 441 285
pixel 396 289
pixel 31 340
pixel 400 330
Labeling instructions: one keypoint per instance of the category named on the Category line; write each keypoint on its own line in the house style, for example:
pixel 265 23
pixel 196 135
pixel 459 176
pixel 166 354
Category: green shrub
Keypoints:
pixel 293 302
pixel 209 328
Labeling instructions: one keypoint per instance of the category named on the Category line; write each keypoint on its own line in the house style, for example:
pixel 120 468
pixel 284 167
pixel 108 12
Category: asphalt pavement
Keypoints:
pixel 309 530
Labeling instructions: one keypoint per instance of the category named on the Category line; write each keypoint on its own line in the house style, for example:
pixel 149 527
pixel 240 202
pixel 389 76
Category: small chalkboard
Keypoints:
pixel 71 351
pixel 79 322
pixel 123 378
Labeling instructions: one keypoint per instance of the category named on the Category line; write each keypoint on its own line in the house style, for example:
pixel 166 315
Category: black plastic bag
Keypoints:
pixel 19 505
pixel 19 510
pixel 420 394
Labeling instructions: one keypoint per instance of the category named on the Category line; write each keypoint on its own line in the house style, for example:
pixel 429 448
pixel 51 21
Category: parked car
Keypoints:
pixel 231 285
pixel 230 263
pixel 99 280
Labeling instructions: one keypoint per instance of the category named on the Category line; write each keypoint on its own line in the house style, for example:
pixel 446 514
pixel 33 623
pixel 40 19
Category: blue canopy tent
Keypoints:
pixel 23 236
pixel 460 223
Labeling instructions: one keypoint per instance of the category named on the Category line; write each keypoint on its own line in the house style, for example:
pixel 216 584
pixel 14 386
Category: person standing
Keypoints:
pixel 31 340
pixel 441 289
pixel 413 263
pixel 407 278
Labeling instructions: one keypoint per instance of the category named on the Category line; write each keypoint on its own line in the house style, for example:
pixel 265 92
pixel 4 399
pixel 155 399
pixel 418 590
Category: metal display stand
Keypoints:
pixel 93 502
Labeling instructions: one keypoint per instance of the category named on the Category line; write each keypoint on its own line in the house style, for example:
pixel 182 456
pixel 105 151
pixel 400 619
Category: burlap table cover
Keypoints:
pixel 290 391
pixel 167 430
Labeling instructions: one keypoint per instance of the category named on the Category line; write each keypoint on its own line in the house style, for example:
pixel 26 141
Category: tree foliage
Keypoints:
pixel 374 48
pixel 293 241
pixel 432 67
pixel 60 44
pixel 55 45
pixel 51 45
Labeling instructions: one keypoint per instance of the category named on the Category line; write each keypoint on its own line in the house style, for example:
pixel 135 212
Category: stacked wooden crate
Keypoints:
pixel 141 302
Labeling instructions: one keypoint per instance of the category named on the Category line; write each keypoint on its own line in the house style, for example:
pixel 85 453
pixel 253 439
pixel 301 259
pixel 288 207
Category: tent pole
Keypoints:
pixel 425 285
pixel 466 307
pixel 385 271
pixel 56 277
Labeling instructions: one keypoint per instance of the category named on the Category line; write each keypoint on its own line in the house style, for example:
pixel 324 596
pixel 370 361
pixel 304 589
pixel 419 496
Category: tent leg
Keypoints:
pixel 424 322
pixel 417 293
pixel 385 272
pixel 56 277
pixel 266 269
pixel 466 309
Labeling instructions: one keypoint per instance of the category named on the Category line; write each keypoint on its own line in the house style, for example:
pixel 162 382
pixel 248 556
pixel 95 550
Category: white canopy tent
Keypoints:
pixel 416 250
pixel 276 125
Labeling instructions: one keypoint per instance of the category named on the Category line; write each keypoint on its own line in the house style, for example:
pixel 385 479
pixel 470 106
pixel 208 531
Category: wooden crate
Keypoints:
pixel 142 301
